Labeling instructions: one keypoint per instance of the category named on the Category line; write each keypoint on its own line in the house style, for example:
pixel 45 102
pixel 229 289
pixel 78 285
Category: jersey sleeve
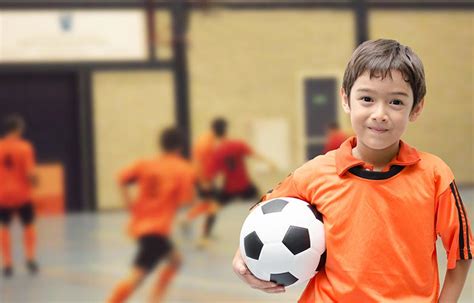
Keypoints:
pixel 452 223
pixel 245 149
pixel 286 188
pixel 130 174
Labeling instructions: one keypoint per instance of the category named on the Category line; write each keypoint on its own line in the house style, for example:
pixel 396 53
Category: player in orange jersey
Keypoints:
pixel 202 154
pixel 17 163
pixel 383 202
pixel 165 183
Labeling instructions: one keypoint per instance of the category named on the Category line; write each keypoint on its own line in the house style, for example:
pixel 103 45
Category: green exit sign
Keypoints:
pixel 319 100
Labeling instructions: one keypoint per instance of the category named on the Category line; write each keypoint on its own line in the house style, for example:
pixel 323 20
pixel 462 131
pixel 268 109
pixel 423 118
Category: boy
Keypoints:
pixel 229 159
pixel 165 183
pixel 17 163
pixel 383 202
pixel 203 151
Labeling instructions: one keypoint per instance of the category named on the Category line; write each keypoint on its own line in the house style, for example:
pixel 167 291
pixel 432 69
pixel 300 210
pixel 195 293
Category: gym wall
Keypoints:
pixel 130 109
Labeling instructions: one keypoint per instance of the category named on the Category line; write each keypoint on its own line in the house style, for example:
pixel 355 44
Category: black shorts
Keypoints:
pixel 251 192
pixel 26 213
pixel 151 250
pixel 207 193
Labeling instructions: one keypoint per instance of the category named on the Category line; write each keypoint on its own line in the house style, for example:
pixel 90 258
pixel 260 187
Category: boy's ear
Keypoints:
pixel 416 112
pixel 345 101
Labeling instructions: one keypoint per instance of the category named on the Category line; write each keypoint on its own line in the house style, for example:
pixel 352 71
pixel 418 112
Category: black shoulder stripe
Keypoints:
pixel 465 219
pixel 461 227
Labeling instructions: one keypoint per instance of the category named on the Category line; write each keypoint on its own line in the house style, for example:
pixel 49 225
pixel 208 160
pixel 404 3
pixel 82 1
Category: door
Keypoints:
pixel 320 109
pixel 49 104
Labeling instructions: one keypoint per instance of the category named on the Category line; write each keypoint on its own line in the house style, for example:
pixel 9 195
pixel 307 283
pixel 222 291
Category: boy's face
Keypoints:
pixel 380 109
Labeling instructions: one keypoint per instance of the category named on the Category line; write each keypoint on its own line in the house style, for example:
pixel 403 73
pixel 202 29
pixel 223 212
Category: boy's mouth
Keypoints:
pixel 378 130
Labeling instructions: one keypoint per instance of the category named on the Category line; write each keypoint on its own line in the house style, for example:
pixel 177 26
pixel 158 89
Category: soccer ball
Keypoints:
pixel 282 240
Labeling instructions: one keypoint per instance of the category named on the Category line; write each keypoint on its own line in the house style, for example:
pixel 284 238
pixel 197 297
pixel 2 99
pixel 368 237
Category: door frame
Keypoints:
pixel 85 139
pixel 301 107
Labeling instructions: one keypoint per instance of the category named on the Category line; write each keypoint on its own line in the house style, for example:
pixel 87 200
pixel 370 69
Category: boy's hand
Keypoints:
pixel 245 275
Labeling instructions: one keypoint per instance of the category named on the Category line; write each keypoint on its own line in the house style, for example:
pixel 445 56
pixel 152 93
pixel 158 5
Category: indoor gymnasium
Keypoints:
pixel 138 135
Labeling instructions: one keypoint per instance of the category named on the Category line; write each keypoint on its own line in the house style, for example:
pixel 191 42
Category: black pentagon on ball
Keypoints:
pixel 253 246
pixel 274 206
pixel 297 239
pixel 284 279
pixel 316 213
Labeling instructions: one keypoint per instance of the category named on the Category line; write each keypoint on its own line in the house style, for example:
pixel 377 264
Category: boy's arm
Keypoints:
pixel 126 178
pixel 245 275
pixel 126 197
pixel 453 226
pixel 264 159
pixel 454 282
pixel 30 166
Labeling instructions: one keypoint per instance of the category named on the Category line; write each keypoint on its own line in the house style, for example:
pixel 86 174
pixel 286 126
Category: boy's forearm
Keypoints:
pixel 454 282
pixel 125 196
pixel 264 159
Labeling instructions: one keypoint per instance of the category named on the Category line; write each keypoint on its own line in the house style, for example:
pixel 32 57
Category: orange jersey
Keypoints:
pixel 203 152
pixel 381 227
pixel 17 162
pixel 164 184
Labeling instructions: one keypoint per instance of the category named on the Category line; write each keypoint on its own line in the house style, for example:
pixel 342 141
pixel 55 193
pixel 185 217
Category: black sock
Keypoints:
pixel 7 272
pixel 32 266
pixel 210 220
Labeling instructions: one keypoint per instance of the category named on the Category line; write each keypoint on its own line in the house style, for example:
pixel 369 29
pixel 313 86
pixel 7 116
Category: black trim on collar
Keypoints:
pixel 376 175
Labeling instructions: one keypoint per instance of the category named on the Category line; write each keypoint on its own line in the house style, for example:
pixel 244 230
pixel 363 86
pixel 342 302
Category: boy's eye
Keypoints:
pixel 366 99
pixel 397 102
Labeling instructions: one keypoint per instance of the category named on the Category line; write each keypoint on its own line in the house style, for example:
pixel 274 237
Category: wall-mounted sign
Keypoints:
pixel 72 35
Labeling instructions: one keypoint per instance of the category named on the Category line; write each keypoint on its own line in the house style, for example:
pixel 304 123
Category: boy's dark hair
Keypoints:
pixel 219 127
pixel 13 122
pixel 171 139
pixel 379 57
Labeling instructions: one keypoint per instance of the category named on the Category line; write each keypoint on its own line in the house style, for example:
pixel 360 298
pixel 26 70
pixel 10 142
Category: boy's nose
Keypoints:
pixel 379 115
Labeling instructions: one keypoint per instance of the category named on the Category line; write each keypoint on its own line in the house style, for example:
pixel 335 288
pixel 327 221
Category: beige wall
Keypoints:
pixel 444 41
pixel 129 110
pixel 248 65
pixel 164 35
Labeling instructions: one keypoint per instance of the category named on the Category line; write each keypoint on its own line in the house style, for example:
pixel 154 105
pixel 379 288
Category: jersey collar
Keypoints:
pixel 406 156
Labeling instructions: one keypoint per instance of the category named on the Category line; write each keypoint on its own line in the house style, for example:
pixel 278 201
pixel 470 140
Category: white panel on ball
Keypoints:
pixel 282 240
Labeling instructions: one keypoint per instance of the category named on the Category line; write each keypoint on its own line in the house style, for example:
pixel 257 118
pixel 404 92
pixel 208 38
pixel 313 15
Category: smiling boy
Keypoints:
pixel 383 202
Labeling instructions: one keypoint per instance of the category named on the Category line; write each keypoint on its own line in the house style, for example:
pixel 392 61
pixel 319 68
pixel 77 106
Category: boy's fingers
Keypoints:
pixel 241 269
pixel 275 290
pixel 257 283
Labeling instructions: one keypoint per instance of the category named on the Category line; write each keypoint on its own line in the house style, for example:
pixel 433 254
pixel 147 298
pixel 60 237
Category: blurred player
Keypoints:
pixel 165 183
pixel 334 137
pixel 229 160
pixel 17 162
pixel 203 151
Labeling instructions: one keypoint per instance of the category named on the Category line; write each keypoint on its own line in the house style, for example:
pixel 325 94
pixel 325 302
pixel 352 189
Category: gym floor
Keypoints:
pixel 82 257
